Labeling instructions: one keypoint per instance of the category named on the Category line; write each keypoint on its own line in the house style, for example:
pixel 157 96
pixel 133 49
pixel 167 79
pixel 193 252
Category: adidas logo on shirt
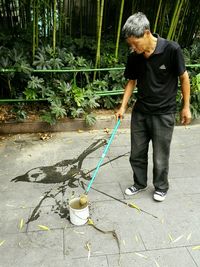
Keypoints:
pixel 162 67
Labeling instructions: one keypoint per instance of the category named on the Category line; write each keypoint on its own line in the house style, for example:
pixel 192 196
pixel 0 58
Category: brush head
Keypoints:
pixel 83 200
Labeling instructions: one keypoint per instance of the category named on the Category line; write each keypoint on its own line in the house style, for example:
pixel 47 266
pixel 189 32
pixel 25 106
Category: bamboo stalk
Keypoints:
pixel 28 12
pixel 177 19
pixel 61 4
pixel 172 25
pixel 44 21
pixel 36 24
pixel 98 16
pixel 182 20
pixel 54 26
pixel 48 18
pixel 33 48
pixel 119 29
pixel 134 4
pixel 70 17
pixel 163 15
pixel 157 16
pixel 81 20
pixel 99 38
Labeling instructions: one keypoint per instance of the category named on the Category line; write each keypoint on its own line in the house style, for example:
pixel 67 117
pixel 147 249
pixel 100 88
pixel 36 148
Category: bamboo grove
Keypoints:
pixel 46 46
pixel 51 21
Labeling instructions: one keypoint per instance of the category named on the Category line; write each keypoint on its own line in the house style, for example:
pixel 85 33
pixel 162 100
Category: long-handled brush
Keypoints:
pixel 83 197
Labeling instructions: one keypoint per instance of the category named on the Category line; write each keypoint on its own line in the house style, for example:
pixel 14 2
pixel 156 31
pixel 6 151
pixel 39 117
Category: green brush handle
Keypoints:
pixel 103 155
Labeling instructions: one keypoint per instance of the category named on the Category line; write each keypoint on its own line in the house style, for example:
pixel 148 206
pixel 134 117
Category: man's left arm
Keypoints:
pixel 185 88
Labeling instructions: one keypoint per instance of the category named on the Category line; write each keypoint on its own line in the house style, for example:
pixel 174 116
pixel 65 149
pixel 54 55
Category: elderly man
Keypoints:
pixel 154 65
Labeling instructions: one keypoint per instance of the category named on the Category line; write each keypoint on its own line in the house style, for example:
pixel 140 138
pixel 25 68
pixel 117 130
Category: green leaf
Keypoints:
pixel 90 119
pixel 49 118
pixel 58 110
pixel 64 87
pixel 43 227
pixel 35 83
pixel 76 113
pixel 30 93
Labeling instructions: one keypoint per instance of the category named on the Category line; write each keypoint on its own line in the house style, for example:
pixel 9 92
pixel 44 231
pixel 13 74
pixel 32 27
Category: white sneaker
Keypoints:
pixel 159 196
pixel 133 190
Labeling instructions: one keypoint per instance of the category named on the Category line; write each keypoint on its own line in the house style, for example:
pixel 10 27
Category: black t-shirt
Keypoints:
pixel 157 77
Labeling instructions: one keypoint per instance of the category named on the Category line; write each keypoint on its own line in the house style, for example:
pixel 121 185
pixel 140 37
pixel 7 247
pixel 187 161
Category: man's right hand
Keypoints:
pixel 120 113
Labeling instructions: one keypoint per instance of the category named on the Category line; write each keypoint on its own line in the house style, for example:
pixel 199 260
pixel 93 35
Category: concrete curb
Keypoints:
pixel 102 121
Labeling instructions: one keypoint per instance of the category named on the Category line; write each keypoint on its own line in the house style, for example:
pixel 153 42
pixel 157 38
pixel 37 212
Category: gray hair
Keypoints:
pixel 136 25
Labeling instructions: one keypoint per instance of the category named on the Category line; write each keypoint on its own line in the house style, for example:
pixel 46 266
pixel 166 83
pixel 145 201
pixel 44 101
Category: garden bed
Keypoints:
pixel 11 123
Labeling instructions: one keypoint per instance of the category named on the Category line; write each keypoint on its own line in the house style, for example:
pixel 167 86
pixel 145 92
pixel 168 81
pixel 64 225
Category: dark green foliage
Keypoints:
pixel 192 54
pixel 73 94
pixel 18 110
pixel 195 96
pixel 12 83
pixel 65 99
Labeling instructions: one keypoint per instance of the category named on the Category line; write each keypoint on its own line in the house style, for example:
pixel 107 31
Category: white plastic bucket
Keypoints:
pixel 78 214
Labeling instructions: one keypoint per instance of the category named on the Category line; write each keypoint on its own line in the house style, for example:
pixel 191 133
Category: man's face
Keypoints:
pixel 137 44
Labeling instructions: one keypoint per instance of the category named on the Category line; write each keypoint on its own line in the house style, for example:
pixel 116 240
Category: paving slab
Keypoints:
pixel 21 249
pixel 194 254
pixel 100 261
pixel 10 220
pixel 165 258
pixel 39 177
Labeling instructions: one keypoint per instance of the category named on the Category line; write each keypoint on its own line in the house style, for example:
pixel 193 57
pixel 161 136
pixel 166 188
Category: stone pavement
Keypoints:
pixel 34 224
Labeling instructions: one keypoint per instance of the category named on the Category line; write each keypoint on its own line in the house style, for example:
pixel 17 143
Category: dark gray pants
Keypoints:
pixel 158 129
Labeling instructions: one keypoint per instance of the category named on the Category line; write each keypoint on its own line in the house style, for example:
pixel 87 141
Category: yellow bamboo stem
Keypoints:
pixel 54 26
pixel 177 19
pixel 182 20
pixel 119 29
pixel 99 38
pixel 33 52
pixel 171 29
pixel 157 16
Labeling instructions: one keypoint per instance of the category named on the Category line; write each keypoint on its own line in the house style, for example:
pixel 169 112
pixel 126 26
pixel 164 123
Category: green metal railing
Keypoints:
pixel 100 93
pixel 65 70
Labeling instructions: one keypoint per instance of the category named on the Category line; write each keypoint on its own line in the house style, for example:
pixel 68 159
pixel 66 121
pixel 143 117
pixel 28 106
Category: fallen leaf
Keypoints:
pixel 20 245
pixel 196 248
pixel 88 247
pixel 157 265
pixel 80 131
pixel 134 206
pixel 21 224
pixel 77 232
pixel 141 255
pixel 170 237
pixel 1 243
pixel 45 136
pixel 43 227
pixel 177 239
pixel 69 142
pixel 189 236
pixel 90 221
pixel 106 130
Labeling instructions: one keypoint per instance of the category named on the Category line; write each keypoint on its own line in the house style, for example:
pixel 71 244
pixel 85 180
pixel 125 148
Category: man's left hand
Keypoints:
pixel 186 116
